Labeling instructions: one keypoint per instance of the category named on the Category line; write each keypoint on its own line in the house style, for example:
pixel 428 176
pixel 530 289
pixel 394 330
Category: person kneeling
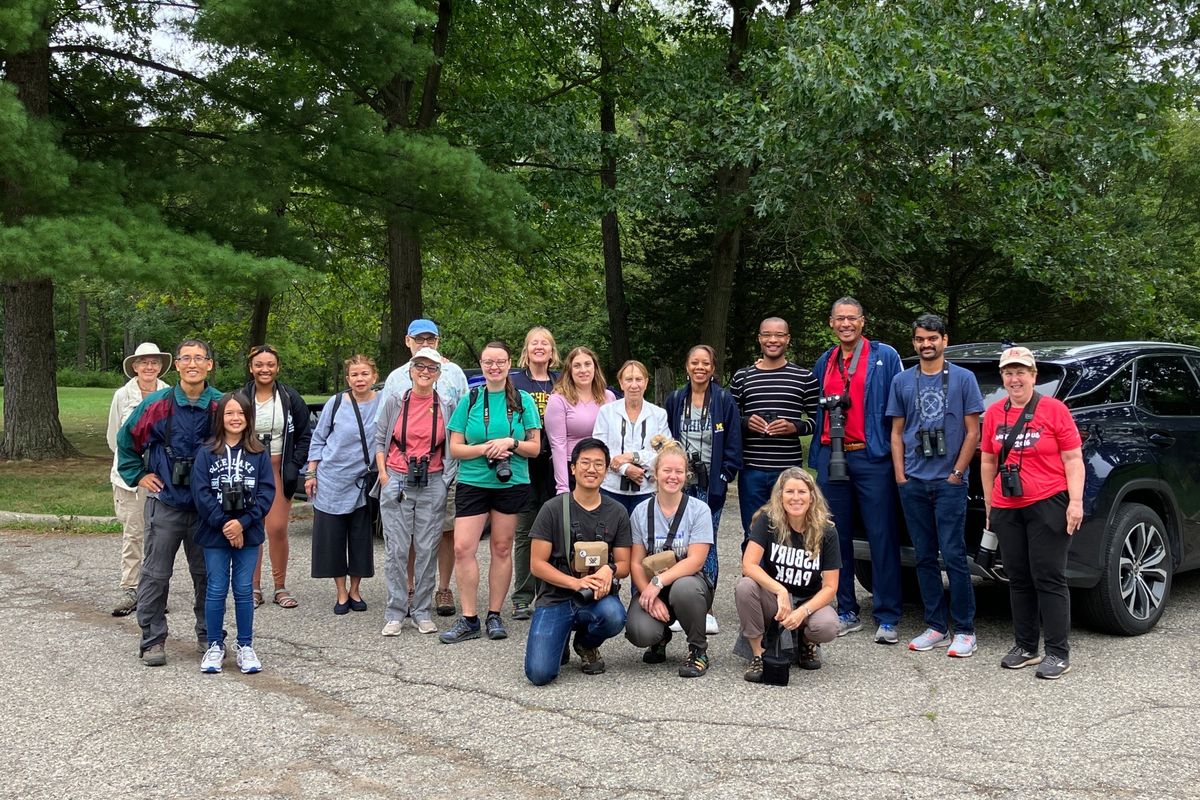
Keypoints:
pixel 671 540
pixel 790 571
pixel 570 599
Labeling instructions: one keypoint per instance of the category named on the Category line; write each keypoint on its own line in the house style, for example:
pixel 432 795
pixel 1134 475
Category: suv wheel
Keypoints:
pixel 1136 582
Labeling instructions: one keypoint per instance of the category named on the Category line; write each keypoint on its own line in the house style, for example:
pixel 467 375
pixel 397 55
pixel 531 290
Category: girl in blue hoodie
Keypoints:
pixel 233 487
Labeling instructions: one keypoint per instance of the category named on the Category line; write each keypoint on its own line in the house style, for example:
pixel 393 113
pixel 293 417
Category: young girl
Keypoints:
pixel 233 486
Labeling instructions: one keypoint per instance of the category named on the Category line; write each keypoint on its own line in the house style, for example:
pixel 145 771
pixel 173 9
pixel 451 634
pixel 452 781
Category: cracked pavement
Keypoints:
pixel 340 711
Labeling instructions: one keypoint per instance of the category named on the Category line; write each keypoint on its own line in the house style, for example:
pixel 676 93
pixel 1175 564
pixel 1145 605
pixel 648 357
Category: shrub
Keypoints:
pixel 103 379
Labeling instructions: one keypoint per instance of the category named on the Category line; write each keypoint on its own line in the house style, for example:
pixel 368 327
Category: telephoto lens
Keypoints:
pixel 986 556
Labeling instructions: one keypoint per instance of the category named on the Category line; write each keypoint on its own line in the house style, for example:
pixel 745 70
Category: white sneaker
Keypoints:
pixel 247 661
pixel 213 656
pixel 427 626
pixel 676 627
pixel 392 627
pixel 710 625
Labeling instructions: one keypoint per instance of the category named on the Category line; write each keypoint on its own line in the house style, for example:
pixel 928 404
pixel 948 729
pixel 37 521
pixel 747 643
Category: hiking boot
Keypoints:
pixel 593 664
pixel 696 664
pixel 443 601
pixel 1018 657
pixel 247 659
pixel 213 658
pixel 126 603
pixel 1052 667
pixel 848 623
pixel 886 634
pixel 155 655
pixel 461 631
pixel 657 654
pixel 754 670
pixel 495 626
pixel 522 611
pixel 930 639
pixel 963 646
pixel 808 656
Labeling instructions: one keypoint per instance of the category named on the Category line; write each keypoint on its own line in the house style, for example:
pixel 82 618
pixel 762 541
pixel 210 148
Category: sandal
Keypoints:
pixel 284 599
pixel 258 597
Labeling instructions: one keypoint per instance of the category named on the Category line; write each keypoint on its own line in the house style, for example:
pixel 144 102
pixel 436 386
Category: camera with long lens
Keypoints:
pixel 699 470
pixel 502 469
pixel 1010 480
pixel 265 440
pixel 836 405
pixel 418 472
pixel 933 442
pixel 233 497
pixel 181 471
pixel 988 544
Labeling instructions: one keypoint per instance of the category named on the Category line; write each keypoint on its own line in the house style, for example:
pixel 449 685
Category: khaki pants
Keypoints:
pixel 129 508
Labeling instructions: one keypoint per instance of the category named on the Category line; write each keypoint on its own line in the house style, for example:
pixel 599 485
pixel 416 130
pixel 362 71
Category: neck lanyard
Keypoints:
pixel 487 415
pixel 847 377
pixel 229 464
pixel 549 382
pixel 1015 431
pixel 641 441
pixel 687 412
pixel 433 430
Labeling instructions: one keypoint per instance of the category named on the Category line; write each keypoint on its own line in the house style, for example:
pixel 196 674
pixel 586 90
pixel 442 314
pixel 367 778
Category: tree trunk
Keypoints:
pixel 405 299
pixel 103 330
pixel 258 320
pixel 81 345
pixel 610 231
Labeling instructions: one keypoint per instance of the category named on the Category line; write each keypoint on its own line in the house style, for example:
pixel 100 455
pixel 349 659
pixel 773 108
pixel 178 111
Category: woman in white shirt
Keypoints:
pixel 628 426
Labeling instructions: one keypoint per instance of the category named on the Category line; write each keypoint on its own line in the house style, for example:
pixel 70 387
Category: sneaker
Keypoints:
pixel 392 627
pixel 886 634
pixel 809 655
pixel 426 626
pixel 213 657
pixel 126 603
pixel 154 656
pixel 1018 657
pixel 593 664
pixel 247 659
pixel 657 654
pixel 696 664
pixel 754 670
pixel 443 601
pixel 461 631
pixel 710 625
pixel 930 639
pixel 522 611
pixel 963 646
pixel 675 627
pixel 848 623
pixel 1052 667
pixel 495 627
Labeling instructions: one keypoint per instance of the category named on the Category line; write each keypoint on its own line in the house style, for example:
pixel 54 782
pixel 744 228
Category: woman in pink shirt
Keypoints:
pixel 571 410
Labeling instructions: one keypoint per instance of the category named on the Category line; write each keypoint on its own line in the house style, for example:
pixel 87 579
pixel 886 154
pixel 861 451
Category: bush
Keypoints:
pixel 101 379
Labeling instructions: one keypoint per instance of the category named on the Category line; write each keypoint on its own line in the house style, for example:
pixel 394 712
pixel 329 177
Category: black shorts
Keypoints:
pixel 471 501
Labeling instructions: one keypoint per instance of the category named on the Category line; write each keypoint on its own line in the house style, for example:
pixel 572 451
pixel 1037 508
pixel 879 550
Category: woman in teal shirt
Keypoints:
pixel 494 432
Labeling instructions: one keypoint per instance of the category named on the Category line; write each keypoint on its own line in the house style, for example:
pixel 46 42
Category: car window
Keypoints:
pixel 987 375
pixel 1166 387
pixel 1116 390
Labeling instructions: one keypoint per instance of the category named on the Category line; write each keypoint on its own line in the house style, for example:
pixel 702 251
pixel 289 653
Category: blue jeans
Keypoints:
pixel 551 628
pixel 221 562
pixel 754 490
pixel 710 564
pixel 936 512
pixel 866 503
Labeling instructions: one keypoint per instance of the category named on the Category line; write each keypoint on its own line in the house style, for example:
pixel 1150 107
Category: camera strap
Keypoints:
pixel 362 433
pixel 487 415
pixel 566 531
pixel 402 443
pixel 848 376
pixel 1018 428
pixel 687 414
pixel 683 501
pixel 641 442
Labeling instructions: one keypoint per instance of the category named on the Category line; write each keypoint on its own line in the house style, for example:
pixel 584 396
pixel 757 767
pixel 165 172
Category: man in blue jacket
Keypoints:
pixel 155 450
pixel 861 371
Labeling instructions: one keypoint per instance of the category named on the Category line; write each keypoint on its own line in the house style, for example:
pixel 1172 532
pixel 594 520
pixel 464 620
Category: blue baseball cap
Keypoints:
pixel 422 326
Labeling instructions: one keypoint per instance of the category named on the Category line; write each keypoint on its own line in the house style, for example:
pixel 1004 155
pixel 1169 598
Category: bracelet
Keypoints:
pixel 312 473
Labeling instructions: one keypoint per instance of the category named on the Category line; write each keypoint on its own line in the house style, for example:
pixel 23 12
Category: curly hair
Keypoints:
pixel 816 521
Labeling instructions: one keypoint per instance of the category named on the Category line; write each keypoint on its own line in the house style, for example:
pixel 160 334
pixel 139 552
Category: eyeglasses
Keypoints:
pixel 425 339
pixel 426 367
pixel 191 359
pixel 774 335
pixel 494 362
pixel 847 318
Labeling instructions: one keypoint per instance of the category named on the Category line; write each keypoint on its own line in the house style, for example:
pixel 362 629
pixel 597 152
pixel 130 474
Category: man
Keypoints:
pixel 860 372
pixel 560 609
pixel 155 448
pixel 935 408
pixel 777 401
pixel 451 387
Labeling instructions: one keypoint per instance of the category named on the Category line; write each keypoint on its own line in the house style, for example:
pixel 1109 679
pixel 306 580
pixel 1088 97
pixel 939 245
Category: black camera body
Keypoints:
pixel 265 440
pixel 418 472
pixel 699 470
pixel 233 497
pixel 835 405
pixel 1010 480
pixel 181 471
pixel 933 442
pixel 502 468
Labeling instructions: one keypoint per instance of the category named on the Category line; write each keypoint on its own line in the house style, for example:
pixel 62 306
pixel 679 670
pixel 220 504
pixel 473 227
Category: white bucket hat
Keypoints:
pixel 147 350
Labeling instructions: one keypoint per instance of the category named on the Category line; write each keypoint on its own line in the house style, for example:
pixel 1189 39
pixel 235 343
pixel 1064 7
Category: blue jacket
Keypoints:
pixel 727 437
pixel 258 482
pixel 883 364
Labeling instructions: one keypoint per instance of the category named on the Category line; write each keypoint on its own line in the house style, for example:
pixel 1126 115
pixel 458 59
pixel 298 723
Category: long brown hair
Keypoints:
pixel 566 384
pixel 816 520
pixel 250 442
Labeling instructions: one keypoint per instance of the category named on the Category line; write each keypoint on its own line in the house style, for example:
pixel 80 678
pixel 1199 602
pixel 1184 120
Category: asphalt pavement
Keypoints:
pixel 340 711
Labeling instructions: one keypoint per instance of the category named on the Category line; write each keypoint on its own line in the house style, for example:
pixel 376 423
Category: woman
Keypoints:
pixel 539 357
pixel 143 369
pixel 412 454
pixel 1032 471
pixel 281 420
pixel 704 418
pixel 628 427
pixel 493 433
pixel 336 484
pixel 684 591
pixel 790 571
pixel 233 485
pixel 572 409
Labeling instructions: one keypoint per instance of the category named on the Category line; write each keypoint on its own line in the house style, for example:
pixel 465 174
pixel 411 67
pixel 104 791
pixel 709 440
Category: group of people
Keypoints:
pixel 580 490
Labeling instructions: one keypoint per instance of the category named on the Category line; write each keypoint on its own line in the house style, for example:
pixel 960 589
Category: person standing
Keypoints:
pixel 451 387
pixel 628 427
pixel 935 408
pixel 777 401
pixel 144 369
pixel 155 450
pixel 571 412
pixel 860 372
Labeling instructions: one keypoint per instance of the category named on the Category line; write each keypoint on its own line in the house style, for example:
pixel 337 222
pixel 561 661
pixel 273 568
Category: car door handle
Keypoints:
pixel 1162 439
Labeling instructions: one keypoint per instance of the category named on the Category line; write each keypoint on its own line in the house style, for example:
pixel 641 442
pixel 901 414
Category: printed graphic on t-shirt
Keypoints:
pixel 794 567
pixel 930 404
pixel 1026 441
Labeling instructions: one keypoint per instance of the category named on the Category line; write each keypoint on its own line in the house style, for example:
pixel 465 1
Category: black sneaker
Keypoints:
pixel 696 664
pixel 461 631
pixel 809 655
pixel 1052 667
pixel 657 654
pixel 754 670
pixel 495 627
pixel 593 664
pixel 1019 657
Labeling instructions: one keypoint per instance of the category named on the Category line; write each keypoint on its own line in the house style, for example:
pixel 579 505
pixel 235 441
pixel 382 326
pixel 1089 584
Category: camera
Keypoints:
pixel 629 484
pixel 699 470
pixel 265 440
pixel 418 471
pixel 1010 480
pixel 502 467
pixel 835 405
pixel 181 471
pixel 988 543
pixel 933 442
pixel 233 497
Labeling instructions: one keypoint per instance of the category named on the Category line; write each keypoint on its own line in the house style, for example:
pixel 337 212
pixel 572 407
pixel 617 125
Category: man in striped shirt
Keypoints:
pixel 777 400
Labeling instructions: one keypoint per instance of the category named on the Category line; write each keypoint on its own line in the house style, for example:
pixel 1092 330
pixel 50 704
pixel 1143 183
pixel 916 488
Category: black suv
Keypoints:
pixel 1137 405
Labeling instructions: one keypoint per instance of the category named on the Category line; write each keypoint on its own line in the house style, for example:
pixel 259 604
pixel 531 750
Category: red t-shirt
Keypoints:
pixel 834 383
pixel 420 424
pixel 1038 451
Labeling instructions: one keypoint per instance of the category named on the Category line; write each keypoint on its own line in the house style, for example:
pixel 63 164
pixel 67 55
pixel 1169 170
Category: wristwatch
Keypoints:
pixel 957 473
pixel 656 581
pixel 637 458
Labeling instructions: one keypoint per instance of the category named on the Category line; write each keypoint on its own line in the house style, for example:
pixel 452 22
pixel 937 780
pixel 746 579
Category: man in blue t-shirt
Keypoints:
pixel 935 408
